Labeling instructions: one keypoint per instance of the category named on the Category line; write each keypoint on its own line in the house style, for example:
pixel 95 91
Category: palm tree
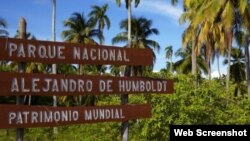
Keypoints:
pixel 244 9
pixel 189 36
pixel 127 72
pixel 54 66
pixel 99 18
pixel 128 7
pixel 80 31
pixel 246 47
pixel 237 68
pixel 3 24
pixel 141 31
pixel 3 33
pixel 184 65
pixel 228 12
pixel 169 54
pixel 231 14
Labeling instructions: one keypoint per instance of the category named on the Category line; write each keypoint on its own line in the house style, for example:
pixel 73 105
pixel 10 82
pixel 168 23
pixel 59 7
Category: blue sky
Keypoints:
pixel 38 16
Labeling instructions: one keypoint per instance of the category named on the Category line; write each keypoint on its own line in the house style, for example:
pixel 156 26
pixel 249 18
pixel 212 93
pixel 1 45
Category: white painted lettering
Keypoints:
pixel 54 87
pixel 31 50
pixel 14 85
pixel 23 89
pixel 60 52
pixel 42 52
pixel 92 52
pixel 76 53
pixel 12 116
pixel 19 119
pixel 85 54
pixel 34 116
pixel 20 52
pixel 125 56
pixel 34 85
pixel 11 48
pixel 87 115
pixel 48 82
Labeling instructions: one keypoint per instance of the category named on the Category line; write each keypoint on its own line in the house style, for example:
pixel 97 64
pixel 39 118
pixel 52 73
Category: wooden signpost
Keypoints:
pixel 13 116
pixel 18 84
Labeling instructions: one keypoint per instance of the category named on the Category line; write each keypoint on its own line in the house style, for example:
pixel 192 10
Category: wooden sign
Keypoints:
pixel 21 50
pixel 21 116
pixel 47 84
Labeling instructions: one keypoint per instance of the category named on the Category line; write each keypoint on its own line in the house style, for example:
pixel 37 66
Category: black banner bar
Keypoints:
pixel 211 132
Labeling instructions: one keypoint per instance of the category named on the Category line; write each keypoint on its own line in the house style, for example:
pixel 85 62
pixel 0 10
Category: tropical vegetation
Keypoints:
pixel 215 29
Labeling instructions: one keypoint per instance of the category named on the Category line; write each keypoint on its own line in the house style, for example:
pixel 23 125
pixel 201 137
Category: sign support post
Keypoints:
pixel 124 98
pixel 54 66
pixel 21 69
pixel 124 101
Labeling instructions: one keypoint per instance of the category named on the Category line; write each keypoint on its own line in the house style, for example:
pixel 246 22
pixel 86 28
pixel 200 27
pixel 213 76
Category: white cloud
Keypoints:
pixel 161 7
pixel 215 74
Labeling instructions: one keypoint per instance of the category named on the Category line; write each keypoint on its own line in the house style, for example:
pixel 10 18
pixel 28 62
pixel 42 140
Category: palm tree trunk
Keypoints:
pixel 194 60
pixel 229 59
pixel 208 59
pixel 218 65
pixel 129 23
pixel 124 98
pixel 247 64
pixel 54 39
pixel 171 65
pixel 209 71
pixel 80 73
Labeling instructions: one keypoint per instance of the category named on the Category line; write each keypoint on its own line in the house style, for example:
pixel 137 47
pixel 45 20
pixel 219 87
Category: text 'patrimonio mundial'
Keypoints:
pixel 21 116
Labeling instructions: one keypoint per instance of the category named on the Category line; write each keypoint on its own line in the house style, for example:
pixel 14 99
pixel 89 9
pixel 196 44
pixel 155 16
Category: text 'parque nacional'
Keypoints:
pixel 57 52
pixel 45 84
pixel 41 116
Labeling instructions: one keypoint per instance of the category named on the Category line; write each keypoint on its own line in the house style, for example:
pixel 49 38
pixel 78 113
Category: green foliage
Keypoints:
pixel 190 105
pixel 207 104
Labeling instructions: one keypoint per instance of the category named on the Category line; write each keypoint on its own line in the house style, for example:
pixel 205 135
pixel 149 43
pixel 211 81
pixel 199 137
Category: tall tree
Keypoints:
pixel 127 72
pixel 184 65
pixel 227 12
pixel 99 18
pixel 169 54
pixel 80 31
pixel 237 69
pixel 141 31
pixel 128 7
pixel 189 36
pixel 54 66
pixel 3 25
pixel 244 8
pixel 246 47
